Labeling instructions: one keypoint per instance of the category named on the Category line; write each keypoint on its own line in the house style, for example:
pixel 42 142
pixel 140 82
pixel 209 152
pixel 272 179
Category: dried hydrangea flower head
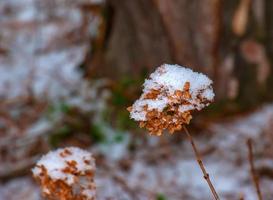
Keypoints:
pixel 169 96
pixel 66 174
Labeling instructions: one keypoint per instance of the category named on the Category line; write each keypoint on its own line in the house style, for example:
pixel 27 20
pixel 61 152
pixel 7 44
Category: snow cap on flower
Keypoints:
pixel 169 96
pixel 66 174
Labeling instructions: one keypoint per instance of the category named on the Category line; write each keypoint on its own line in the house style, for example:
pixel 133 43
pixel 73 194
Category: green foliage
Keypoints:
pixel 59 134
pixel 97 133
pixel 54 109
pixel 64 108
pixel 161 197
pixel 118 98
pixel 121 91
pixel 119 137
pixel 114 118
pixel 124 92
pixel 123 121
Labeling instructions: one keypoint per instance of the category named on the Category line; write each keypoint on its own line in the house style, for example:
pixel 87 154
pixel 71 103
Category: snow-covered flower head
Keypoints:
pixel 66 174
pixel 169 96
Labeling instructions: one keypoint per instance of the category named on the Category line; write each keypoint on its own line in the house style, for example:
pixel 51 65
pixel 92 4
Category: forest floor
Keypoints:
pixel 165 168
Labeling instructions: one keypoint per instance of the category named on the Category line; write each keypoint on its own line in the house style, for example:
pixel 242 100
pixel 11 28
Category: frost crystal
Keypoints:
pixel 66 174
pixel 169 96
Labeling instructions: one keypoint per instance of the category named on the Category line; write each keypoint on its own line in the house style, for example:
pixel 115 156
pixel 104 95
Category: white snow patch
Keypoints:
pixel 55 163
pixel 168 79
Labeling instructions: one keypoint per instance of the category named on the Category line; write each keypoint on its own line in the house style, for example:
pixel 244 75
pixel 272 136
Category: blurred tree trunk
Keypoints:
pixel 228 40
pixel 147 33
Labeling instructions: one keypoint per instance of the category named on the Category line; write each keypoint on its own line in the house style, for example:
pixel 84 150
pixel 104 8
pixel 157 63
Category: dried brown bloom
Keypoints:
pixel 169 96
pixel 170 118
pixel 66 174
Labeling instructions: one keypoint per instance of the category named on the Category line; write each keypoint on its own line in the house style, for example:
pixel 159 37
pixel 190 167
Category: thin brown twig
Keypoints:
pixel 122 182
pixel 200 162
pixel 241 197
pixel 255 178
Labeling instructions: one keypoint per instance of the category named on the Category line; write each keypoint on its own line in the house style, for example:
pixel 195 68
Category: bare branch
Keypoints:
pixel 200 162
pixel 255 178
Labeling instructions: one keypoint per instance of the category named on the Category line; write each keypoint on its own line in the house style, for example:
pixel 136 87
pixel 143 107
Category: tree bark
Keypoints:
pixel 227 40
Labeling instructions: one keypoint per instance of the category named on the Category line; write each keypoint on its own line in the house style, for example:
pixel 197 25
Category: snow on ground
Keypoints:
pixel 20 188
pixel 42 45
pixel 170 169
pixel 40 53
pixel 23 135
pixel 52 75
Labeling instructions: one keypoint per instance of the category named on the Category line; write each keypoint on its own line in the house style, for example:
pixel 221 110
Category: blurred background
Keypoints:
pixel 70 68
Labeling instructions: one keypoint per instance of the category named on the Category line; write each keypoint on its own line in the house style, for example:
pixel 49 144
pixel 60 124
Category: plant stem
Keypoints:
pixel 200 162
pixel 255 178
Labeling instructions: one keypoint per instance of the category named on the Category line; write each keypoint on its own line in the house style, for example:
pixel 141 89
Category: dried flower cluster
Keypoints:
pixel 169 96
pixel 66 174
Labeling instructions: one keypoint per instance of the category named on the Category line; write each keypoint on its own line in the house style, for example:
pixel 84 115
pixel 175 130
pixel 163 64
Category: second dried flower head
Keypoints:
pixel 66 174
pixel 169 96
